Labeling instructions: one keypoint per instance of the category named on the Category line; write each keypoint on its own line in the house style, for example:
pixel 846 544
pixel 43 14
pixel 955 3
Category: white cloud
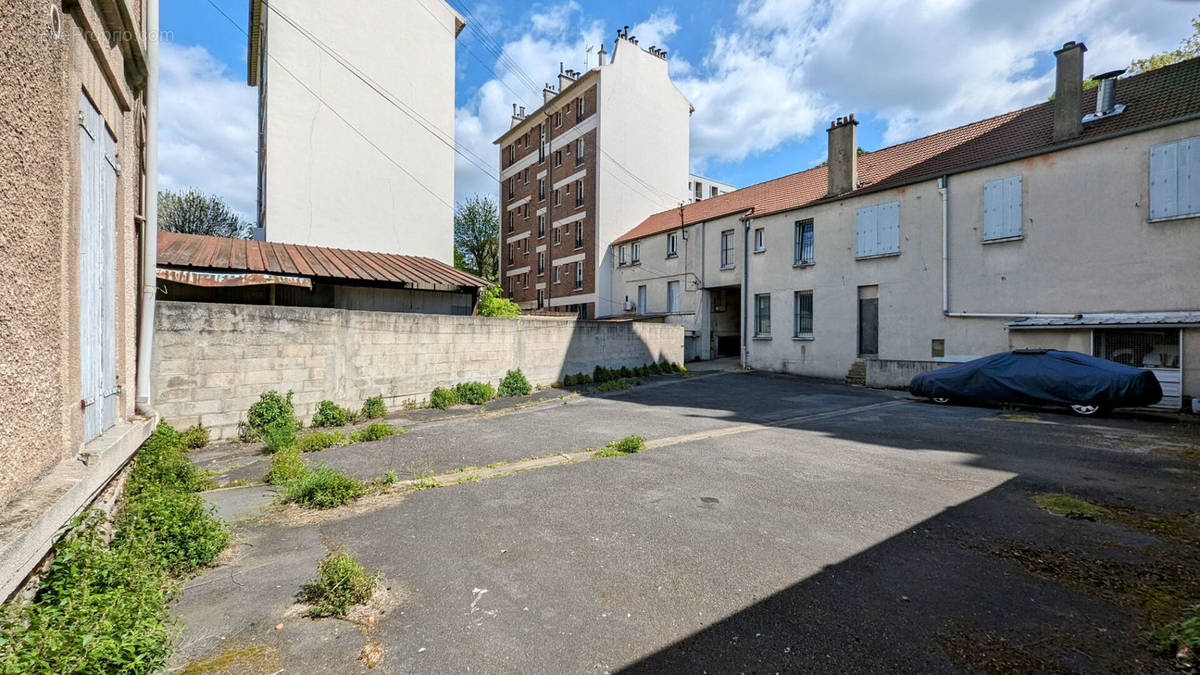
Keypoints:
pixel 208 128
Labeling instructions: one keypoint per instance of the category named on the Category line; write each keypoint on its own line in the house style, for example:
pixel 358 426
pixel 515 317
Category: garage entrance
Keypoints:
pixel 1158 350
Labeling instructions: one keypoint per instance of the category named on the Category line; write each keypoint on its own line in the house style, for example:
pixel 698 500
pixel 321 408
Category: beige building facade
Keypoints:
pixel 1092 246
pixel 73 197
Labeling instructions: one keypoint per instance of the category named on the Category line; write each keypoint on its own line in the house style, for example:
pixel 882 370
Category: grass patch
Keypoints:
pixel 467 478
pixel 373 408
pixel 374 432
pixel 195 436
pixel 341 583
pixel 320 440
pixel 495 465
pixel 1180 639
pixel 619 384
pixel 388 478
pixel 425 480
pixel 1071 507
pixel 322 488
pixel 625 446
pixel 330 414
pixel 286 465
pixel 101 607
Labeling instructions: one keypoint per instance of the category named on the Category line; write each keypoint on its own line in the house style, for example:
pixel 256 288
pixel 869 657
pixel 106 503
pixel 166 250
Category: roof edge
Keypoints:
pixel 594 73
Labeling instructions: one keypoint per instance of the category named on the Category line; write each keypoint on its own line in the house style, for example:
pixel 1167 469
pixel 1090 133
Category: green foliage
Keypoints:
pixel 477 237
pixel 246 433
pixel 388 478
pixel 514 384
pixel 274 418
pixel 625 446
pixel 330 414
pixel 491 304
pixel 443 398
pixel 341 582
pixel 193 212
pixel 372 432
pixel 373 407
pixel 286 465
pixel 1188 48
pixel 1173 639
pixel 320 440
pixel 475 393
pixel 102 607
pixel 619 384
pixel 322 488
pixel 195 436
pixel 600 374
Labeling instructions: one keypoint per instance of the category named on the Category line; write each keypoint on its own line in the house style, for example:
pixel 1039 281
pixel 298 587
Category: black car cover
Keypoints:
pixel 1042 376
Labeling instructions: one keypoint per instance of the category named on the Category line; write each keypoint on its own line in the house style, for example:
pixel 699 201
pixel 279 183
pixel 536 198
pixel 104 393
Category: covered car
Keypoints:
pixel 1087 384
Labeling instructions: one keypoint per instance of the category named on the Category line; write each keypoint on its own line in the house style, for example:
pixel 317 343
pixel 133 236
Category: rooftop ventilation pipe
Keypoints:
pixel 1106 96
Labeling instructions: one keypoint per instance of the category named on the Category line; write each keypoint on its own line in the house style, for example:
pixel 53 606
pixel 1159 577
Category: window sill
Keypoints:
pixel 803 264
pixel 759 250
pixel 802 338
pixel 1004 240
pixel 635 263
pixel 726 267
pixel 672 255
pixel 762 338
pixel 1168 219
pixel 877 256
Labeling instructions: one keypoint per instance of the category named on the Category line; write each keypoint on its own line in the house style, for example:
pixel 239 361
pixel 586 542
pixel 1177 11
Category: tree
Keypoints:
pixel 491 304
pixel 193 212
pixel 1189 48
pixel 477 237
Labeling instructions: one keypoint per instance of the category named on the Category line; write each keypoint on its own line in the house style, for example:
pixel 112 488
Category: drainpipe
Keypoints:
pixel 944 193
pixel 746 291
pixel 145 341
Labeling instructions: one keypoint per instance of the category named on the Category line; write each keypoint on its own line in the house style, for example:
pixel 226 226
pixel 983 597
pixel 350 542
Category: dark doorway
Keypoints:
pixel 868 326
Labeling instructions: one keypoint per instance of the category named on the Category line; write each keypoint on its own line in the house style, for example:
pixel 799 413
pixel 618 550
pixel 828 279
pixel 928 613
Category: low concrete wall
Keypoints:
pixel 211 361
pixel 896 374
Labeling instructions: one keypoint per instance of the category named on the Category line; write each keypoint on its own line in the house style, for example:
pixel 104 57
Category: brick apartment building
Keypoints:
pixel 607 146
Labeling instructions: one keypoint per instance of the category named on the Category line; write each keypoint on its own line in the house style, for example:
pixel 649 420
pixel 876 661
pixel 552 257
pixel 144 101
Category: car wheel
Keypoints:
pixel 1087 410
pixel 940 400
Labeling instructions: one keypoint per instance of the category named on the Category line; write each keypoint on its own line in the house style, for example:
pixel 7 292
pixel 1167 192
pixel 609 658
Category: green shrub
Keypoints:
pixel 491 304
pixel 330 414
pixel 320 440
pixel 322 488
pixel 568 380
pixel 1172 639
pixel 625 446
pixel 246 433
pixel 341 582
pixel 388 478
pixel 678 368
pixel 195 436
pixel 176 528
pixel 278 435
pixel 286 465
pixel 162 463
pixel 100 609
pixel 475 393
pixel 514 384
pixel 372 432
pixel 625 372
pixel 619 384
pixel 600 374
pixel 272 409
pixel 443 398
pixel 373 407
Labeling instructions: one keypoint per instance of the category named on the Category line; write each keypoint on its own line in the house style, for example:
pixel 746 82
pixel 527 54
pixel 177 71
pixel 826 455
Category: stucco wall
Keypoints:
pixel 332 184
pixel 40 416
pixel 211 361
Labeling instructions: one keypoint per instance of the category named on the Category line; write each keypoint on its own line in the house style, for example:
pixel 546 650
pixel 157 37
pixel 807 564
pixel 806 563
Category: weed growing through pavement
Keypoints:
pixel 341 583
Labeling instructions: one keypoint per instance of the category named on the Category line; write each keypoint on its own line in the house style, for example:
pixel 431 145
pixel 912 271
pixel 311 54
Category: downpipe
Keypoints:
pixel 746 292
pixel 145 342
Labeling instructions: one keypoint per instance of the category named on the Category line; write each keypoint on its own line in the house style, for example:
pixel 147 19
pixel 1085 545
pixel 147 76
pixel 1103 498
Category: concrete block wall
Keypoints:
pixel 211 361
pixel 896 373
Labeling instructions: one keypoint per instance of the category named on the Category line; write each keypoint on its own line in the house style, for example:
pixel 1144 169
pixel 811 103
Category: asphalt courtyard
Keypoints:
pixel 775 524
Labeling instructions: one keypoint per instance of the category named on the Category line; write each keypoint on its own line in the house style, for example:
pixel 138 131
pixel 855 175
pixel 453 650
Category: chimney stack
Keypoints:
pixel 843 155
pixel 1068 91
pixel 602 55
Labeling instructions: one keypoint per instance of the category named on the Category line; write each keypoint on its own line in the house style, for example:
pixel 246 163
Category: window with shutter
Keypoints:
pixel 1002 208
pixel 1175 179
pixel 877 230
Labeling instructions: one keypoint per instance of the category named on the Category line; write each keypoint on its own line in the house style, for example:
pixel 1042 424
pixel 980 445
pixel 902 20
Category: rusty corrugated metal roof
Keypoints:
pixel 221 254
pixel 1156 97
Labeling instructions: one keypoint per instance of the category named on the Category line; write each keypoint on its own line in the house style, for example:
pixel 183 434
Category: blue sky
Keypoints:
pixel 765 76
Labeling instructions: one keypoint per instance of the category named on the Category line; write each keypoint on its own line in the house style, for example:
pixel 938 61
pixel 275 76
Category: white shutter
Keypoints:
pixel 993 208
pixel 1187 177
pixel 888 227
pixel 865 231
pixel 1164 177
pixel 1012 207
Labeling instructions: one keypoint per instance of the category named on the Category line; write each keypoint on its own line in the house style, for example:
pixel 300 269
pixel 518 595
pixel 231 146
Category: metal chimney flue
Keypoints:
pixel 1106 96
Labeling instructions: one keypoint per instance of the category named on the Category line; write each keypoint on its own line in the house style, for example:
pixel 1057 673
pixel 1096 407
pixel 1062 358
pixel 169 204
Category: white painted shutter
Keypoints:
pixel 866 231
pixel 993 209
pixel 888 227
pixel 1164 177
pixel 1188 176
pixel 1012 207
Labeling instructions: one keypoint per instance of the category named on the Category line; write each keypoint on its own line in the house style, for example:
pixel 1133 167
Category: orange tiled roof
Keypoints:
pixel 242 255
pixel 1158 97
